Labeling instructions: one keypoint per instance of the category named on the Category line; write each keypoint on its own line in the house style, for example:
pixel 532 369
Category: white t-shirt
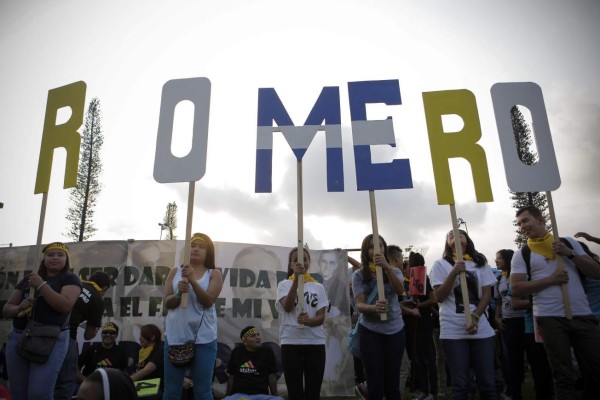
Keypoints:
pixel 549 302
pixel 315 299
pixel 452 314
pixel 502 291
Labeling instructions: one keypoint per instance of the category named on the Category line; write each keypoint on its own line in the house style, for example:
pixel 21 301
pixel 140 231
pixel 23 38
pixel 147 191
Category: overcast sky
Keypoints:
pixel 126 51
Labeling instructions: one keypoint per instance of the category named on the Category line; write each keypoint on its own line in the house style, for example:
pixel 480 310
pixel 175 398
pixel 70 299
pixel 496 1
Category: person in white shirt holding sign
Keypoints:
pixel 302 347
pixel 465 346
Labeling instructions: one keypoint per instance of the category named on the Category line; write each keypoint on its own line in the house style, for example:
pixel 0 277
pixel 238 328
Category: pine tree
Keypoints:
pixel 170 221
pixel 527 156
pixel 84 196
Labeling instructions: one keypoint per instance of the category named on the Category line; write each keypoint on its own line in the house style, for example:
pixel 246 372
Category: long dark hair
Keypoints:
pixel 478 258
pixel 43 270
pixel 290 269
pixel 506 255
pixel 364 257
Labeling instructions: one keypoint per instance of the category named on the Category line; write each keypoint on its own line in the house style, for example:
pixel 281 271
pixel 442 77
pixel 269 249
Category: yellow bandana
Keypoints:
pixel 372 267
pixel 504 273
pixel 249 332
pixel 466 257
pixel 542 246
pixel 57 246
pixel 307 277
pixel 196 237
pixel 94 284
pixel 143 355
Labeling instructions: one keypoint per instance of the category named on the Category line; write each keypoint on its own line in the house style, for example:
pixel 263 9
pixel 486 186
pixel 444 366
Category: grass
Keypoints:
pixel 528 392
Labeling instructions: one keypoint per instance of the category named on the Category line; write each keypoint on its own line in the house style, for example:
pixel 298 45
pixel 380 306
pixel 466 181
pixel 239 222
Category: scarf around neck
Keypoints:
pixel 94 284
pixel 543 246
pixel 143 355
pixel 466 257
pixel 307 277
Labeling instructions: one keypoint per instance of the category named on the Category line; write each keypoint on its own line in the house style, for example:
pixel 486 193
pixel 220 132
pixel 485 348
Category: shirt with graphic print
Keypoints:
pixel 251 370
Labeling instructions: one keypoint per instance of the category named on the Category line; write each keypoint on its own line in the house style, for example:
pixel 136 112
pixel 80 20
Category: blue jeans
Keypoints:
pixel 67 377
pixel 382 358
pixel 559 335
pixel 478 354
pixel 29 380
pixel 202 368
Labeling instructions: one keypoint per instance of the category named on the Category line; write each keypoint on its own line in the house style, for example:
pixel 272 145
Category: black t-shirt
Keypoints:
pixel 44 313
pixel 96 356
pixel 88 307
pixel 251 370
pixel 157 357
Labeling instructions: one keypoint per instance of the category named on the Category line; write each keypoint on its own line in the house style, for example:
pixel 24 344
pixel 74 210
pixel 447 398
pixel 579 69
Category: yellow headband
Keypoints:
pixel 57 246
pixel 196 237
pixel 249 332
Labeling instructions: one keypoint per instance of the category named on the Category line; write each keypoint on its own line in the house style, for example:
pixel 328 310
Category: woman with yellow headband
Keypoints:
pixel 381 341
pixel 301 336
pixel 56 290
pixel 466 346
pixel 196 323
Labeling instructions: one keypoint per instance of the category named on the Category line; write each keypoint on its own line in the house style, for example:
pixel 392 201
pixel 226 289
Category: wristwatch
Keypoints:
pixel 572 255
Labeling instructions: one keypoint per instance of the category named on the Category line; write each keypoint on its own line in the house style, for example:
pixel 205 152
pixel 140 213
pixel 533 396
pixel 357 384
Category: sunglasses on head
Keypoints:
pixel 109 333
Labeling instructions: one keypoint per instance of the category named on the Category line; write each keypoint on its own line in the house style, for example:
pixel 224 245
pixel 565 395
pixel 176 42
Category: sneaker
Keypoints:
pixel 361 390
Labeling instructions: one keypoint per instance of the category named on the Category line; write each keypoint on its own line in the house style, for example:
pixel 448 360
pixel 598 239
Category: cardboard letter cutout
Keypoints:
pixel 460 144
pixel 167 167
pixel 326 110
pixel 64 135
pixel 543 176
pixel 369 176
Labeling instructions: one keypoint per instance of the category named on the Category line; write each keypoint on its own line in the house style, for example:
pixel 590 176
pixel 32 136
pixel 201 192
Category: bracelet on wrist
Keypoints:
pixel 178 295
pixel 475 316
pixel 39 287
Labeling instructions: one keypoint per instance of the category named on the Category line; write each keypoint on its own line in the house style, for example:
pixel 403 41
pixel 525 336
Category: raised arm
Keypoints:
pixel 587 237
pixel 442 291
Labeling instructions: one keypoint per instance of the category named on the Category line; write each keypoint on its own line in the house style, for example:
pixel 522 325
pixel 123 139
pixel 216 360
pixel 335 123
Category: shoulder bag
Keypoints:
pixel 37 342
pixel 182 355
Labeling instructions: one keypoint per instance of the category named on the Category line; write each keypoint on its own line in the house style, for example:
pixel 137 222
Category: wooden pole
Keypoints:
pixel 38 243
pixel 459 253
pixel 188 236
pixel 561 265
pixel 378 269
pixel 300 292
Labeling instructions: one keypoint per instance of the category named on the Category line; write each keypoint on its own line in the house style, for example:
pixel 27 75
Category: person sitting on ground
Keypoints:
pixel 251 369
pixel 106 354
pixel 150 363
pixel 107 384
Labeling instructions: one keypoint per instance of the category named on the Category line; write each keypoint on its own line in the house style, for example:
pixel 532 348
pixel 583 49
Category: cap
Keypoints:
pixel 110 326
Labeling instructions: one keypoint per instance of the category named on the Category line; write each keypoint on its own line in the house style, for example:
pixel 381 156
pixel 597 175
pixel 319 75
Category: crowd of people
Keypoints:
pixel 540 312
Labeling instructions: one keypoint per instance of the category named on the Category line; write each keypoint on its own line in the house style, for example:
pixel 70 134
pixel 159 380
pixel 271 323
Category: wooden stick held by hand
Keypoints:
pixel 561 264
pixel 300 292
pixel 459 254
pixel 188 237
pixel 378 269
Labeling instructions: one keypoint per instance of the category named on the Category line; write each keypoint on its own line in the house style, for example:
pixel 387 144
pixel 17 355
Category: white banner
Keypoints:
pixel 251 273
